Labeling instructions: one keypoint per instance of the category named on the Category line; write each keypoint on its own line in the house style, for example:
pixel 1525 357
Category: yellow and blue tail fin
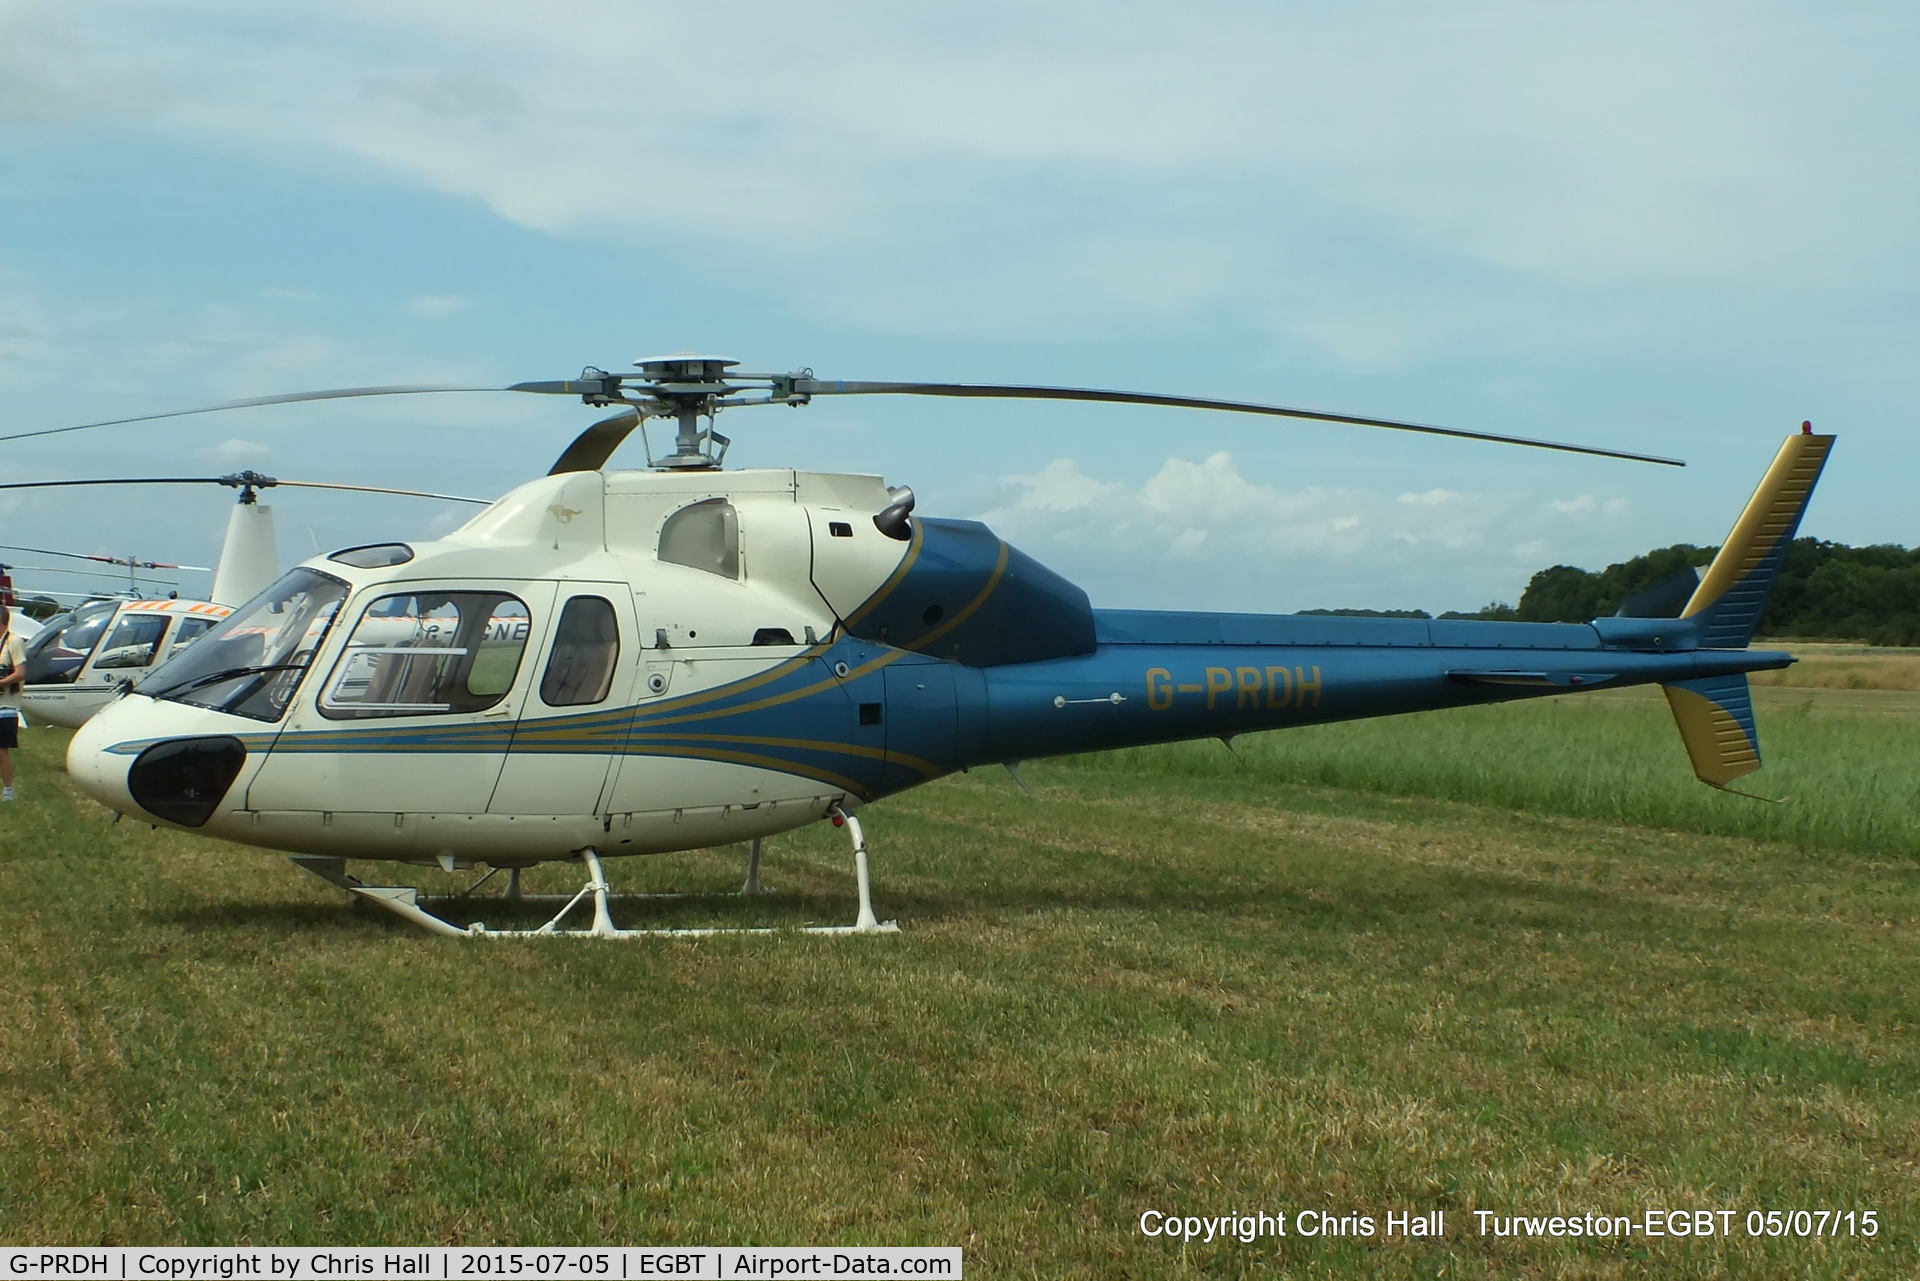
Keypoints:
pixel 1726 606
pixel 1715 713
pixel 1715 716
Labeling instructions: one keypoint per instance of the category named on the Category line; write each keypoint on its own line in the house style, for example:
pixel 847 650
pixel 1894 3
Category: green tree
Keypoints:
pixel 1824 590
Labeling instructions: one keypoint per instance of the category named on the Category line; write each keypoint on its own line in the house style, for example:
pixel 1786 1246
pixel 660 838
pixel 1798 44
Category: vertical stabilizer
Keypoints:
pixel 1727 604
pixel 1715 715
pixel 250 560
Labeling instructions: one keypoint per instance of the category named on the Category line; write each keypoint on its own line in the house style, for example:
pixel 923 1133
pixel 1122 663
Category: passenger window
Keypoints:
pixel 586 645
pixel 133 642
pixel 703 536
pixel 428 652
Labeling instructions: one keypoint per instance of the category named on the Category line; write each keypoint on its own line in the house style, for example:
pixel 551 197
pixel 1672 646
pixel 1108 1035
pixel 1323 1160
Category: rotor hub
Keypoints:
pixel 249 483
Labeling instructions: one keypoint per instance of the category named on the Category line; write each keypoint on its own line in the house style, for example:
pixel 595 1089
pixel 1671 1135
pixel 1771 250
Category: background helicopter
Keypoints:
pixel 79 659
pixel 64 646
pixel 635 662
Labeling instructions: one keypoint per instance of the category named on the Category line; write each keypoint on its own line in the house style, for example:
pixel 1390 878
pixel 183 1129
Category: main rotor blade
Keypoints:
pixel 236 482
pixel 290 398
pixel 998 391
pixel 81 573
pixel 378 489
pixel 128 561
pixel 21 593
pixel 128 480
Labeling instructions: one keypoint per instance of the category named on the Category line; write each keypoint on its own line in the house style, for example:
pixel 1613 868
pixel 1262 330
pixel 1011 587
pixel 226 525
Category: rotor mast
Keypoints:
pixel 684 387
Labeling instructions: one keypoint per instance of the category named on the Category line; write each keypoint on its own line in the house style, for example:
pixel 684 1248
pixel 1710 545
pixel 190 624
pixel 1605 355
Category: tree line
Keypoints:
pixel 1825 590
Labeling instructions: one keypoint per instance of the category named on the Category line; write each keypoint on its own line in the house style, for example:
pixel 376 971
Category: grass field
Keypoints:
pixel 1512 959
pixel 1834 665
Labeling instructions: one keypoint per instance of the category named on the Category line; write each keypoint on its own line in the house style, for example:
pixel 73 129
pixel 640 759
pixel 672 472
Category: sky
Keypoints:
pixel 1677 230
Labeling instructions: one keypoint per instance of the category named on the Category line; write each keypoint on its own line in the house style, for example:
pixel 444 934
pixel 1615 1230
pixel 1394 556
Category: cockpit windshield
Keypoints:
pixel 253 661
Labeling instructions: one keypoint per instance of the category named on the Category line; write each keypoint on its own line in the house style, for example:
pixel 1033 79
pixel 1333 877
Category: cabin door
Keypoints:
pixel 415 714
pixel 579 703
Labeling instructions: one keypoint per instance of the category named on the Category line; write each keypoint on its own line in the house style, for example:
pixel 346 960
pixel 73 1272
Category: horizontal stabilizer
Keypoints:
pixel 1666 598
pixel 1715 715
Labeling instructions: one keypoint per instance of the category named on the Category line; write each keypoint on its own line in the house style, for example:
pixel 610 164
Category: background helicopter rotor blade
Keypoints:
pixel 131 480
pixel 805 386
pixel 82 597
pixel 242 480
pixel 79 573
pixel 290 398
pixel 128 561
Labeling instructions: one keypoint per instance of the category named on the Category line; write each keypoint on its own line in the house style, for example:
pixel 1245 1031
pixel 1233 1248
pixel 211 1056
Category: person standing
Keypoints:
pixel 12 676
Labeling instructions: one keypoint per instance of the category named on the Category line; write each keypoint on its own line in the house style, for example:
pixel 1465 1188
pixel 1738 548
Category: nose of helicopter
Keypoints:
pixel 132 762
pixel 100 773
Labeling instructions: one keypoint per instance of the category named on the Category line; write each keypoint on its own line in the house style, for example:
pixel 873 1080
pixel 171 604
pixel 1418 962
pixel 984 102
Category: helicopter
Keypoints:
pixel 622 662
pixel 80 658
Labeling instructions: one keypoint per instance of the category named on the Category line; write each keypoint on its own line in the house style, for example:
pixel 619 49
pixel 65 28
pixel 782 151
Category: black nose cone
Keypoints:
pixel 183 781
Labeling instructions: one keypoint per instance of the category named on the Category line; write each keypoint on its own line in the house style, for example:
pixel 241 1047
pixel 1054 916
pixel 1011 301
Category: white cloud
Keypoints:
pixel 235 453
pixel 1012 166
pixel 1215 539
pixel 434 306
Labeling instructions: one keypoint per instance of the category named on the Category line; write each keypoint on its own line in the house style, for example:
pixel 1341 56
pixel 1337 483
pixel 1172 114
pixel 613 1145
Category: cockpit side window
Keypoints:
pixel 703 536
pixel 57 654
pixel 421 653
pixel 134 641
pixel 586 645
pixel 190 630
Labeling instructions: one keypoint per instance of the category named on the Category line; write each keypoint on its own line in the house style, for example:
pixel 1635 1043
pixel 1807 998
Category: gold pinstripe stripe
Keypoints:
pixel 894 579
pixel 872 665
pixel 993 581
pixel 812 745
pixel 740 686
pixel 765 762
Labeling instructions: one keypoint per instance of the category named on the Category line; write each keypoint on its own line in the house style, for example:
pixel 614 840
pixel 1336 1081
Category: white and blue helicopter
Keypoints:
pixel 609 663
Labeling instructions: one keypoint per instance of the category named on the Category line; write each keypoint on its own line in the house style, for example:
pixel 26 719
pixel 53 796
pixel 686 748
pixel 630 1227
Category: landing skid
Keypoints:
pixel 404 900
